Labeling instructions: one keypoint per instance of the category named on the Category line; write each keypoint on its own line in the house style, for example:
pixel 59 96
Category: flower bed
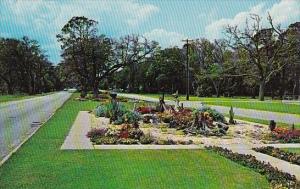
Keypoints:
pixel 117 113
pixel 277 179
pixel 276 152
pixel 128 134
pixel 188 121
pixel 285 135
pixel 205 121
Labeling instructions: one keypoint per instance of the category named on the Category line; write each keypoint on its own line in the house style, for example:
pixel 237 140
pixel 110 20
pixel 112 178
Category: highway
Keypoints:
pixel 19 119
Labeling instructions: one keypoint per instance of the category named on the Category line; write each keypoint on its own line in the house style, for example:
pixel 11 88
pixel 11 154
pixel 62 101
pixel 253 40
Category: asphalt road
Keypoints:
pixel 18 119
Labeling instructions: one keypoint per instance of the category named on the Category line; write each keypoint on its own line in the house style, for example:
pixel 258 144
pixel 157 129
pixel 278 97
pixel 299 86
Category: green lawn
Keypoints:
pixel 294 150
pixel 261 121
pixel 256 105
pixel 242 102
pixel 41 164
pixel 7 98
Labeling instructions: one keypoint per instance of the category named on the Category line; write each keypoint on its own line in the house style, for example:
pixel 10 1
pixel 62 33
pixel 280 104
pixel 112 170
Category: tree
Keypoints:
pixel 8 63
pixel 24 66
pixel 211 62
pixel 132 50
pixel 76 36
pixel 263 46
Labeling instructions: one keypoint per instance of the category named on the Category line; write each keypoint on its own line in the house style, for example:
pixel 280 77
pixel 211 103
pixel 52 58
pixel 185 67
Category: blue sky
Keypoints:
pixel 166 21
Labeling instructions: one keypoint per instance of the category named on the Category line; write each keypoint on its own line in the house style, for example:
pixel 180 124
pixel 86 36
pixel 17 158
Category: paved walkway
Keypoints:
pixel 76 138
pixel 19 119
pixel 250 113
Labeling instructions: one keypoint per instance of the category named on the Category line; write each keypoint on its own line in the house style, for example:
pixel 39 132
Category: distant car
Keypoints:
pixel 72 90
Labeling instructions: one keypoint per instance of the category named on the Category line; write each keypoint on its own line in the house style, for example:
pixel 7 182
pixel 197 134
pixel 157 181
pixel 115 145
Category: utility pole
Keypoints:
pixel 187 43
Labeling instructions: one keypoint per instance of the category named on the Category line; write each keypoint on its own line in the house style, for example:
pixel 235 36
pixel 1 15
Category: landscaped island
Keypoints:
pixel 139 122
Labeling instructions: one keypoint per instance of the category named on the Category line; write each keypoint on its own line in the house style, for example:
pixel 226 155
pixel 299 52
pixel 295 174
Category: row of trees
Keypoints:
pixel 256 60
pixel 24 68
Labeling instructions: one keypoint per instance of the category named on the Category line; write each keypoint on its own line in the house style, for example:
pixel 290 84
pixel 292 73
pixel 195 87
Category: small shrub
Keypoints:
pixel 231 116
pixel 217 116
pixel 184 142
pixel 146 139
pixel 136 133
pixel 105 140
pixel 127 141
pixel 96 132
pixel 286 135
pixel 145 110
pixel 131 117
pixel 165 142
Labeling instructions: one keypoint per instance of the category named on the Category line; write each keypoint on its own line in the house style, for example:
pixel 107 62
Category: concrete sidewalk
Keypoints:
pixel 76 138
pixel 281 165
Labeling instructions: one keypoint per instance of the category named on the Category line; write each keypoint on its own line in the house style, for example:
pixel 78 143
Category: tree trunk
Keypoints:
pixel 10 89
pixel 96 90
pixel 262 86
pixel 84 88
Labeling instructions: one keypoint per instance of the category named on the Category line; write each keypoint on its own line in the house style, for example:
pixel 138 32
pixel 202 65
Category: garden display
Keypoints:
pixel 158 123
pixel 146 124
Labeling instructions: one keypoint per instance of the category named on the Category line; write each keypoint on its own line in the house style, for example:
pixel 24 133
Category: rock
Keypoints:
pixel 221 125
pixel 150 118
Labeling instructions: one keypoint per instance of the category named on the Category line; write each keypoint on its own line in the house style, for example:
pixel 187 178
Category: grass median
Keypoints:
pixel 41 164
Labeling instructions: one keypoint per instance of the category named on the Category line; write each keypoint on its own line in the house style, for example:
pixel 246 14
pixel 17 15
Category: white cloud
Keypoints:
pixel 215 29
pixel 285 12
pixel 138 13
pixel 165 38
pixel 130 12
pixel 46 18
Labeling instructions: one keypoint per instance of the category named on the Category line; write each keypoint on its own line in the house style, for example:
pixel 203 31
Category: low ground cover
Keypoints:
pixel 281 154
pixel 276 178
pixel 41 164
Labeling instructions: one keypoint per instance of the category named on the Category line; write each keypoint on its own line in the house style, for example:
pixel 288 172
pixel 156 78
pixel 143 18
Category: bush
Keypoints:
pixel 136 133
pixel 131 117
pixel 146 139
pixel 94 133
pixel 217 116
pixel 118 113
pixel 105 140
pixel 286 135
pixel 165 142
pixel 274 176
pixel 127 141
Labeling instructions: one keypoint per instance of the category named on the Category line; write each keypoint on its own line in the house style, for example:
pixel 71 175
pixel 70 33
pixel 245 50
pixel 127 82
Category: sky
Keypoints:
pixel 165 21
